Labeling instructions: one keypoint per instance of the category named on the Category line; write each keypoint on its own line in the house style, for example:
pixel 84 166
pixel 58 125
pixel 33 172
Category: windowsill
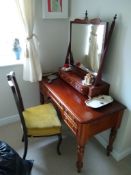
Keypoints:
pixel 11 63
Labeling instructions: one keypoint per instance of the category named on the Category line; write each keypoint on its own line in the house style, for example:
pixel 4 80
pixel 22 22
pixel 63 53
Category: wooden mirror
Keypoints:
pixel 88 46
pixel 89 42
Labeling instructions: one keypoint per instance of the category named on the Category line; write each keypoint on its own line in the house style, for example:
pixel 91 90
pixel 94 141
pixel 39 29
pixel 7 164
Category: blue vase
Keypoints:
pixel 17 54
pixel 17 48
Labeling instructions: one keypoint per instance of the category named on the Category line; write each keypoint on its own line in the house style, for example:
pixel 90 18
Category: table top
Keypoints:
pixel 74 102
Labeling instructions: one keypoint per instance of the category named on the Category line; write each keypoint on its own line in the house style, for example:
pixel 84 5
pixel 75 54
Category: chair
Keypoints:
pixel 37 121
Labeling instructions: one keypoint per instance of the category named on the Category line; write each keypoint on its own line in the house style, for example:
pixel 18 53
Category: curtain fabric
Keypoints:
pixel 31 69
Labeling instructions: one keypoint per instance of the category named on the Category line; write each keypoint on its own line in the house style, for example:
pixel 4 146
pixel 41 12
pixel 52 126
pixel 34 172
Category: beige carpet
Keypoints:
pixel 47 162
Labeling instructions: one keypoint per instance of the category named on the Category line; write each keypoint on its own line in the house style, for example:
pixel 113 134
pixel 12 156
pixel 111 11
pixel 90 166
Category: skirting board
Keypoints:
pixel 116 155
pixel 8 120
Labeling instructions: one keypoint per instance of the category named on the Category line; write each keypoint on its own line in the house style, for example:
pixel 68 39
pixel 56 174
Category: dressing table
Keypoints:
pixel 69 95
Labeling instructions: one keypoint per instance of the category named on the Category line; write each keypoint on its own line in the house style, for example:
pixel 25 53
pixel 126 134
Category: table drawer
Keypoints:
pixel 70 122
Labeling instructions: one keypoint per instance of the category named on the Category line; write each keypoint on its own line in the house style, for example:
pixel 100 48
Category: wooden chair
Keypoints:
pixel 37 121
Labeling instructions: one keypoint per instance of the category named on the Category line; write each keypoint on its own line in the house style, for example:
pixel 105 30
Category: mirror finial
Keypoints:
pixel 86 15
pixel 115 17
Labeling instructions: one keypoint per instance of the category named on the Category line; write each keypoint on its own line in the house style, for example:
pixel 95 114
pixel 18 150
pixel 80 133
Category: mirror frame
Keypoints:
pixel 108 34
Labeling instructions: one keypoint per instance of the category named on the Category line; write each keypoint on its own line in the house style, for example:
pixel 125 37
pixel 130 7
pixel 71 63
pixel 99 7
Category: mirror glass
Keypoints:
pixel 87 42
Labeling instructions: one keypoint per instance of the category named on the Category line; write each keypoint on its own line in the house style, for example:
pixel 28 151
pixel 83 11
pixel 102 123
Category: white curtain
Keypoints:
pixel 31 69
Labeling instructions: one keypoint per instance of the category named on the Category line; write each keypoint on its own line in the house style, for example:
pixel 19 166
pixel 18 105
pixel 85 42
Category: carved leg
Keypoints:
pixel 80 153
pixel 111 140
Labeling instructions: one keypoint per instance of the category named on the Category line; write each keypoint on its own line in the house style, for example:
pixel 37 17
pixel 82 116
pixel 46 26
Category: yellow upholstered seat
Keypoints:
pixel 42 120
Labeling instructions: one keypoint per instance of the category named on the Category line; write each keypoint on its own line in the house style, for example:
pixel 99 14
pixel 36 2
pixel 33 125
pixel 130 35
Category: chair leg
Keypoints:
pixel 25 139
pixel 59 143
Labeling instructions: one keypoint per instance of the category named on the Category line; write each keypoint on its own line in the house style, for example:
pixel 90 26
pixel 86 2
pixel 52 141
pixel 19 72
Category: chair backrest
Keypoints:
pixel 15 89
pixel 18 100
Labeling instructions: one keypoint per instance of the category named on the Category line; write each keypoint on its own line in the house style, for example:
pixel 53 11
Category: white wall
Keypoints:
pixel 118 61
pixel 53 37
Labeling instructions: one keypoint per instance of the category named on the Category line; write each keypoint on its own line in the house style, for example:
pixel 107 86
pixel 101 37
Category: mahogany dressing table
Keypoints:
pixel 69 94
pixel 83 121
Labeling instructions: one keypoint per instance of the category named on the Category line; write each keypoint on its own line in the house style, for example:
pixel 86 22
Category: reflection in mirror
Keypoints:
pixel 87 43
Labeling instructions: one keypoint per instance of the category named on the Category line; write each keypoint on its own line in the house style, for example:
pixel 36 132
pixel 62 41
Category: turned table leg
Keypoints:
pixel 111 140
pixel 80 153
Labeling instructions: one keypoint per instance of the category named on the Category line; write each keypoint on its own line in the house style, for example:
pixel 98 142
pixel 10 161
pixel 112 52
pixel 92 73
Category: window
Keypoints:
pixel 11 33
